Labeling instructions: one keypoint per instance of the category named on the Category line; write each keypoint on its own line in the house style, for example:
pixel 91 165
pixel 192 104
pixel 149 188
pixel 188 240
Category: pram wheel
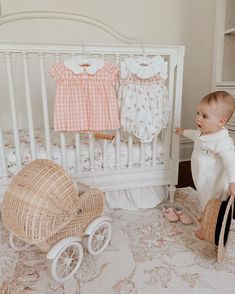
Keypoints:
pixel 99 238
pixel 67 262
pixel 17 243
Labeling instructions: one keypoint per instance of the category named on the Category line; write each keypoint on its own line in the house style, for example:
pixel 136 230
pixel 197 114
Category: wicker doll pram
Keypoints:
pixel 43 207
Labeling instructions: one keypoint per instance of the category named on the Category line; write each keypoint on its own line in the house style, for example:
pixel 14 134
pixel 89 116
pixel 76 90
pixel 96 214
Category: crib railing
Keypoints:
pixel 45 56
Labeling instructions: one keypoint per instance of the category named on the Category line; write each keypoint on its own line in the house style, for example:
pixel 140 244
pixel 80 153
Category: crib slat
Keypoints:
pixel 167 132
pixel 105 154
pixel 117 157
pixel 45 106
pixel 77 153
pixel 142 157
pixel 29 106
pixel 13 110
pixel 91 152
pixel 57 57
pixel 63 150
pixel 117 61
pixel 117 137
pixel 2 153
pixel 154 151
pixel 130 151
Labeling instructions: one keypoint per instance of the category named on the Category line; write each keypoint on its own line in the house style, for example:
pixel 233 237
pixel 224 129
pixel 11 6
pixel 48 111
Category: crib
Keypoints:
pixel 26 114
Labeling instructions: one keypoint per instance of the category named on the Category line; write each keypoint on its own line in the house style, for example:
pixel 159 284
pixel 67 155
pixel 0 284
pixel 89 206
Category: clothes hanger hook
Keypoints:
pixel 83 47
pixel 142 47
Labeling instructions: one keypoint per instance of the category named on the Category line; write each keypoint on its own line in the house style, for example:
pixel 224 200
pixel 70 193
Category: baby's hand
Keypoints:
pixel 179 131
pixel 232 189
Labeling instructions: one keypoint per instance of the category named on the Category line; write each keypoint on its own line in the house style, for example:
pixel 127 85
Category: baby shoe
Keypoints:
pixel 170 214
pixel 199 234
pixel 184 217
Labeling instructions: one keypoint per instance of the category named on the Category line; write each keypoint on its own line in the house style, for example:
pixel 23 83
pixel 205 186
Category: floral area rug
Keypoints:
pixel 146 255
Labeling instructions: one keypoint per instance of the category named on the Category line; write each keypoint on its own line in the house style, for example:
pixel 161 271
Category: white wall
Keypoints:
pixel 159 22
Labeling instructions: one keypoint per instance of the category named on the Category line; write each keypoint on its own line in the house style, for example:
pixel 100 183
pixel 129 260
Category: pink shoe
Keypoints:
pixel 170 214
pixel 184 217
pixel 199 234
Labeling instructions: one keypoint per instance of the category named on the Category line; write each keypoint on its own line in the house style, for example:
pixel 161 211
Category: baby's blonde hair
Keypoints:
pixel 224 100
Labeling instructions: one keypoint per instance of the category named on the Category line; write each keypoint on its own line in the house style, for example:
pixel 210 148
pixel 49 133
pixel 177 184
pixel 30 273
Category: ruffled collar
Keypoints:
pixel 76 65
pixel 145 67
pixel 211 137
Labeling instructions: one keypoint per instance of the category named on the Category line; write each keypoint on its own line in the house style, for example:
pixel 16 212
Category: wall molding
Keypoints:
pixel 66 16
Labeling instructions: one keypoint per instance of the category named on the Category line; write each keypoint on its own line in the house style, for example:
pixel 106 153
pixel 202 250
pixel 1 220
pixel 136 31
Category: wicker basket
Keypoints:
pixel 41 206
pixel 209 219
pixel 90 207
pixel 216 221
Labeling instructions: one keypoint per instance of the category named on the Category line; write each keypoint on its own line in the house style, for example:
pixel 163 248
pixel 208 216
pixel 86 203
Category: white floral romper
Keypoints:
pixel 143 97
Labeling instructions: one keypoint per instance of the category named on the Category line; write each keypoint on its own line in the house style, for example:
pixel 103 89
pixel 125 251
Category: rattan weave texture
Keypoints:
pixel 41 205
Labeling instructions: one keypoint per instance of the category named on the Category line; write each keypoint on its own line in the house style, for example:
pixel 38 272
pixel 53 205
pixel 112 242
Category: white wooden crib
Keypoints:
pixel 26 121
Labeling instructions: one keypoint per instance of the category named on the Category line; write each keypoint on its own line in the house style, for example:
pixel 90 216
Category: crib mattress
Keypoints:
pixel 70 151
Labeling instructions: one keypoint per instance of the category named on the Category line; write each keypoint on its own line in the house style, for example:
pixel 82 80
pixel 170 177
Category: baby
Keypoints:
pixel 213 157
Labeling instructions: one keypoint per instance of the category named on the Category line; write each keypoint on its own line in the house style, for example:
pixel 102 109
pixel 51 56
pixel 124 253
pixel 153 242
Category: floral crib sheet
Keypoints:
pixel 40 143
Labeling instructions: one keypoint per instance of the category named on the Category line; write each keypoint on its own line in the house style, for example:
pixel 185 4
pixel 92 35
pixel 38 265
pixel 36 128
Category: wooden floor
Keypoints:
pixel 185 176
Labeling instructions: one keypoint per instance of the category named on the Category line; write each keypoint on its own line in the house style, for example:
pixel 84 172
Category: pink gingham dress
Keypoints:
pixel 85 98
